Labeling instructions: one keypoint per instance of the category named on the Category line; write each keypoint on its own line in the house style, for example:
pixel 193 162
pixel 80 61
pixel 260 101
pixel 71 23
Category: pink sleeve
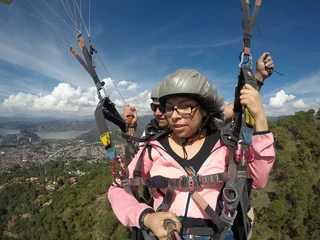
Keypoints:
pixel 124 205
pixel 264 155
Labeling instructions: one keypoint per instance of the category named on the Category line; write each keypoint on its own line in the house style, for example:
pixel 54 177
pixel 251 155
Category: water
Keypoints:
pixel 46 135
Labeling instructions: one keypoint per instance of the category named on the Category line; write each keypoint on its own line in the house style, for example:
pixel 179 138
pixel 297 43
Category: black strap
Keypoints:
pixel 138 167
pixel 163 182
pixel 245 76
pixel 168 198
pixel 233 190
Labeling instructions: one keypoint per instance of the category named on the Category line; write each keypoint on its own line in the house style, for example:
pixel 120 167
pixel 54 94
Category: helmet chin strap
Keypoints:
pixel 191 138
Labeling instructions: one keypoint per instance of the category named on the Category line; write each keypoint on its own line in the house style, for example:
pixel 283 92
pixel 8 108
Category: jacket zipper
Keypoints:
pixel 187 205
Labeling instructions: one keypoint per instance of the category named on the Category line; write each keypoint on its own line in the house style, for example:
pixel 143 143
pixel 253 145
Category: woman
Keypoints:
pixel 192 108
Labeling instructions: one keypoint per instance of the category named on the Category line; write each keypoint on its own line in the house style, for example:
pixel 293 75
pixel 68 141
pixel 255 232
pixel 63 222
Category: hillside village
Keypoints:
pixel 26 150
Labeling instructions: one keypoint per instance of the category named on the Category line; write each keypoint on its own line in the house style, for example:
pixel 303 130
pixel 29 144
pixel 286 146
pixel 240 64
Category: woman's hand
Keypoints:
pixel 155 221
pixel 250 98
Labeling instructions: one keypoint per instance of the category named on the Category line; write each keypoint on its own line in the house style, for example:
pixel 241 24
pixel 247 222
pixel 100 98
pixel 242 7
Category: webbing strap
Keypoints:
pixel 168 198
pixel 248 22
pixel 163 182
pixel 245 76
pixel 125 184
pixel 232 192
pixel 208 209
pixel 138 167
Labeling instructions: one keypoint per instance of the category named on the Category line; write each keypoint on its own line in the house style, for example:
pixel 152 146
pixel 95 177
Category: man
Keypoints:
pixel 158 123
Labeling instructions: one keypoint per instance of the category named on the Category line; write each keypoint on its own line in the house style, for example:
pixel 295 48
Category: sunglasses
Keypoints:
pixel 154 107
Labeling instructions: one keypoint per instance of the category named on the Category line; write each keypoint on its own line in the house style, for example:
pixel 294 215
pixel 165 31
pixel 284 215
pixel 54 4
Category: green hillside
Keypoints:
pixel 289 207
pixel 68 200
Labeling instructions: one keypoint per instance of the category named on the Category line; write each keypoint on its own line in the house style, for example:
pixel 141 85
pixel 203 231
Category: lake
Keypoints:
pixel 46 135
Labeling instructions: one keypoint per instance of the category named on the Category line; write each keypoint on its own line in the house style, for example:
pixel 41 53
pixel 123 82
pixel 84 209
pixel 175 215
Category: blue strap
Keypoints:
pixel 247 135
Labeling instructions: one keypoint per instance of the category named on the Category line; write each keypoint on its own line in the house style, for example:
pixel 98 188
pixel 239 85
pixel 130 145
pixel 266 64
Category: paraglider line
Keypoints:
pixel 82 20
pixel 69 14
pixel 89 15
pixel 70 11
pixel 41 19
pixel 111 78
pixel 58 15
pixel 75 14
pixel 48 22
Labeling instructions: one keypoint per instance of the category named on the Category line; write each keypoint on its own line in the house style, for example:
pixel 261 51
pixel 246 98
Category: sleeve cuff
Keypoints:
pixel 261 132
pixel 143 214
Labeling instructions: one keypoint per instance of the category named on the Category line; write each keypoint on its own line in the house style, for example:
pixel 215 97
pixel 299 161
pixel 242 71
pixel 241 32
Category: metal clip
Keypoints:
pixel 238 151
pixel 248 62
pixel 113 166
pixel 191 182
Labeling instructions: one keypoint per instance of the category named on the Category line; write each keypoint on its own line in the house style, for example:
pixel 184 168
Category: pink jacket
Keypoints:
pixel 128 209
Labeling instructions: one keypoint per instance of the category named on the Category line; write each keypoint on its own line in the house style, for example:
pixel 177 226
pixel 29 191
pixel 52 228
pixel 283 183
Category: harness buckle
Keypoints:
pixel 149 183
pixel 191 182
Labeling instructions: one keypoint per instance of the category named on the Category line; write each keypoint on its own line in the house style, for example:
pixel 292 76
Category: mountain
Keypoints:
pixel 50 125
pixel 274 119
pixel 28 118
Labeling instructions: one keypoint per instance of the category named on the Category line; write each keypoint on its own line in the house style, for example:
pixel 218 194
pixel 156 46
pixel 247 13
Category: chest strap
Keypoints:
pixel 186 182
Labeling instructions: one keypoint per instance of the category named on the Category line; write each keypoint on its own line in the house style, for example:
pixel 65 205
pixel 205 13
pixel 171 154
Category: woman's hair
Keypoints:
pixel 215 111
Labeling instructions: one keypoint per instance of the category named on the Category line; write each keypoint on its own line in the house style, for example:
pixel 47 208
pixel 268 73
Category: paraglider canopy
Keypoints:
pixel 6 1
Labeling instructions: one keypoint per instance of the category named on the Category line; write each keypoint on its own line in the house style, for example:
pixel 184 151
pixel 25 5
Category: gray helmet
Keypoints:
pixel 186 81
pixel 155 91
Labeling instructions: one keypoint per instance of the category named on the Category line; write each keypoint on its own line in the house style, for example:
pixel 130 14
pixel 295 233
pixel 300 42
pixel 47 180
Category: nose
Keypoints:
pixel 158 112
pixel 175 114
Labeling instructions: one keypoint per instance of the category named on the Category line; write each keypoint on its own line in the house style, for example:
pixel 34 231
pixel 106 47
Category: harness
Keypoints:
pixel 191 182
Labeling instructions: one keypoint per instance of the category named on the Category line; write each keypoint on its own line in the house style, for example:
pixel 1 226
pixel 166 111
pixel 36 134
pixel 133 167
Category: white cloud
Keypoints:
pixel 299 104
pixel 280 99
pixel 129 86
pixel 66 101
pixel 282 104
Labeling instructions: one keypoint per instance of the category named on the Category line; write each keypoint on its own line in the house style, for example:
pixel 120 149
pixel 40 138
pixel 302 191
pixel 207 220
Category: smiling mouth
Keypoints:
pixel 178 126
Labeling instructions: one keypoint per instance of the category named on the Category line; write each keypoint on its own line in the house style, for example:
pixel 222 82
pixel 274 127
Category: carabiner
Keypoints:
pixel 113 166
pixel 238 151
pixel 248 62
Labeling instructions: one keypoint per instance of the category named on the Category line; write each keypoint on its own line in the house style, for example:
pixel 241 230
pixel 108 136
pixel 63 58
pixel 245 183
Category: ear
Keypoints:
pixel 203 112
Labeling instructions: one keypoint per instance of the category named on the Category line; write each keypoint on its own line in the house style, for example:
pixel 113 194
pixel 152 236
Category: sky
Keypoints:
pixel 140 42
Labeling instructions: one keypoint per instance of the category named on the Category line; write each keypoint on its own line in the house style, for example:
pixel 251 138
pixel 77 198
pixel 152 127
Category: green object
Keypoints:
pixel 187 81
pixel 155 91
pixel 6 1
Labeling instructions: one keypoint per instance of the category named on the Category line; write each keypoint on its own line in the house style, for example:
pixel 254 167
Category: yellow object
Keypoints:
pixel 249 119
pixel 105 139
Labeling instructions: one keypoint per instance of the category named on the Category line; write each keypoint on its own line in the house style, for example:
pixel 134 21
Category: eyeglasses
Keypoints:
pixel 181 110
pixel 154 107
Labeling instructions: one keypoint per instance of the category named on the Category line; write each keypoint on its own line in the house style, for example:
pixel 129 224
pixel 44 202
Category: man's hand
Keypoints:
pixel 264 67
pixel 130 115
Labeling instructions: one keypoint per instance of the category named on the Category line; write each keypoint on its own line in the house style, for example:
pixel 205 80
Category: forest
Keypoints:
pixel 288 208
